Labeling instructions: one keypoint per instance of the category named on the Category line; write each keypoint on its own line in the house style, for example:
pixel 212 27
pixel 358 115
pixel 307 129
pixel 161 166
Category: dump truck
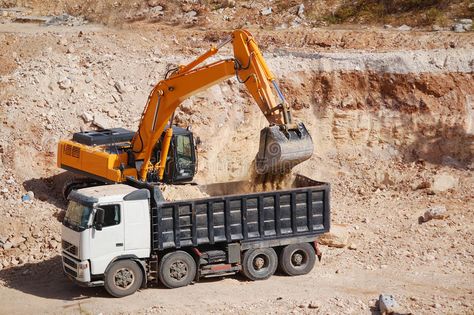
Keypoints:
pixel 127 236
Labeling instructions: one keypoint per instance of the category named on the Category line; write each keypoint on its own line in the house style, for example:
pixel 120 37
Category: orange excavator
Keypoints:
pixel 161 152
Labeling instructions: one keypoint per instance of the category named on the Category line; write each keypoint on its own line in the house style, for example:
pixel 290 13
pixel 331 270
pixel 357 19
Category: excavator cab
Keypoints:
pixel 181 162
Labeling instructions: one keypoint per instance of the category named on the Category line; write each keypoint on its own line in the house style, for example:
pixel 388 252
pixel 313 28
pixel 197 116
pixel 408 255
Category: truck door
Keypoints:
pixel 107 243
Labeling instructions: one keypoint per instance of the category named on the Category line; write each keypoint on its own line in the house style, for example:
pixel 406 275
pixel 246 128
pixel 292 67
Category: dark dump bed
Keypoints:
pixel 255 219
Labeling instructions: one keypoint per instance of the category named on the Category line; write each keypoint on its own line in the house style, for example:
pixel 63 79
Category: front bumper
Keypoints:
pixel 90 284
pixel 75 269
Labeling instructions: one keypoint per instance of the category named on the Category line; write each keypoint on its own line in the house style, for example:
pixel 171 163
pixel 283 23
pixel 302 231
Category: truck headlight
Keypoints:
pixel 81 268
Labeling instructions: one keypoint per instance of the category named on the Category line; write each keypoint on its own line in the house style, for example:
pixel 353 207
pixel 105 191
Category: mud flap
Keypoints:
pixel 282 148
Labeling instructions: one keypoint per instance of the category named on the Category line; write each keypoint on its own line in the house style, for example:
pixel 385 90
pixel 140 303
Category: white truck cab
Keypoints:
pixel 103 225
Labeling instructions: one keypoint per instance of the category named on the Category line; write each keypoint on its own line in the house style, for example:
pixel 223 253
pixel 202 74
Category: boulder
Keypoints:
pixel 458 28
pixel 388 304
pixel 404 28
pixel 444 182
pixel 266 11
pixel 434 212
pixel 338 237
pixel 16 240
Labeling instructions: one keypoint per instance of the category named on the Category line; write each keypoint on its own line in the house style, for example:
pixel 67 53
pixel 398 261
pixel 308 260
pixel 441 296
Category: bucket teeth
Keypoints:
pixel 283 148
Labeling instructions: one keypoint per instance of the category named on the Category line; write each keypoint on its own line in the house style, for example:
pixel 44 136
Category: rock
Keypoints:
pixel 387 304
pixel 266 11
pixel 444 182
pixel 465 21
pixel 314 305
pixel 458 28
pixel 23 259
pixel 404 28
pixel 191 14
pixel 113 113
pixel 434 212
pixel 352 246
pixel 436 28
pixel 88 79
pixel 16 240
pixel 153 3
pixel 120 87
pixel 337 237
pixel 53 243
pixel 87 117
pixel 71 50
pixel 420 185
pixel 384 179
pixel 300 11
pixel 387 26
pixel 65 83
pixel 100 122
pixel 7 245
pixel 436 305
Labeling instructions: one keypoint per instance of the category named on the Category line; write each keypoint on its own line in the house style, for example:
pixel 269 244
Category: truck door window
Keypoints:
pixel 111 215
pixel 183 148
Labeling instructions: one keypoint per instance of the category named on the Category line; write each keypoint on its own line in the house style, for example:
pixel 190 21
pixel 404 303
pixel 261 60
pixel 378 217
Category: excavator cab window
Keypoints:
pixel 185 160
pixel 181 162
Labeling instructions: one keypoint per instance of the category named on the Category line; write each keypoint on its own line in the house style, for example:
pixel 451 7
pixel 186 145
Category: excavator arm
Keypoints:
pixel 251 69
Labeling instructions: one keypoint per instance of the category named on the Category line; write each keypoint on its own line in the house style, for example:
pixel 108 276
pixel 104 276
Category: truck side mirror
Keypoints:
pixel 99 219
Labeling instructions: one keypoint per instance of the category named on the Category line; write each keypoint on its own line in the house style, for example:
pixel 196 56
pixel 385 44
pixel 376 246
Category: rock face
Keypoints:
pixel 337 237
pixel 444 182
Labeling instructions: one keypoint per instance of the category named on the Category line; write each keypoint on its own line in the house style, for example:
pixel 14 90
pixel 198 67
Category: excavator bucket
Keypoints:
pixel 282 148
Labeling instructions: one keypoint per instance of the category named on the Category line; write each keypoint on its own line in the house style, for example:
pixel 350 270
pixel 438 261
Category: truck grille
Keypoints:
pixel 69 248
pixel 70 267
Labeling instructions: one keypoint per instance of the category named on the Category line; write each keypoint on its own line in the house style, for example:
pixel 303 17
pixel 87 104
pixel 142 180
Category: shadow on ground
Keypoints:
pixel 49 189
pixel 45 279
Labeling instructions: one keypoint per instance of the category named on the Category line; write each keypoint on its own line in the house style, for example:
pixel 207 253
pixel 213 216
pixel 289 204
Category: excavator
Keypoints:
pixel 162 152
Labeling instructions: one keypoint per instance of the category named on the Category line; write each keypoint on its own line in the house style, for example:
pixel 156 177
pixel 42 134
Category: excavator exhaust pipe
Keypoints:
pixel 281 148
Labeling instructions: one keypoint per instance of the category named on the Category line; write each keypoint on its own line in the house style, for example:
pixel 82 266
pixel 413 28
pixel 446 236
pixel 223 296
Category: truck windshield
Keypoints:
pixel 77 216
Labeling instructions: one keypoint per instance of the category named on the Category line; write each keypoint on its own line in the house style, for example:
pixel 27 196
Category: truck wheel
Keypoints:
pixel 177 269
pixel 123 278
pixel 260 263
pixel 297 259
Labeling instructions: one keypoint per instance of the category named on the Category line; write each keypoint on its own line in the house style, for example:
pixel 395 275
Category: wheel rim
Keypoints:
pixel 260 263
pixel 299 259
pixel 124 278
pixel 178 270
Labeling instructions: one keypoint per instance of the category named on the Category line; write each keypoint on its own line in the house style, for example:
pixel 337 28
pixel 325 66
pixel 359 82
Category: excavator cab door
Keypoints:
pixel 181 164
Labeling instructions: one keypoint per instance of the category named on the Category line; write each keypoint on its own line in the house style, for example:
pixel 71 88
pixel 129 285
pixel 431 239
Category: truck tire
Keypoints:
pixel 177 269
pixel 123 278
pixel 297 259
pixel 259 263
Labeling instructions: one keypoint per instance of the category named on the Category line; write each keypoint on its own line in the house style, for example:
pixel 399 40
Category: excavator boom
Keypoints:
pixel 282 145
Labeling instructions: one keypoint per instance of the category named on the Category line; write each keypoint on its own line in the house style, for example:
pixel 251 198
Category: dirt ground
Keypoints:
pixel 391 114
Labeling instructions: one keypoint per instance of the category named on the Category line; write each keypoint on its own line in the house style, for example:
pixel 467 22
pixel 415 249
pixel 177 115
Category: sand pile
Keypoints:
pixel 181 192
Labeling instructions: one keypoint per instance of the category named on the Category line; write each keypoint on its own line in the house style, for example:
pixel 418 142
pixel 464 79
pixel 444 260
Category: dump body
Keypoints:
pixel 255 219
